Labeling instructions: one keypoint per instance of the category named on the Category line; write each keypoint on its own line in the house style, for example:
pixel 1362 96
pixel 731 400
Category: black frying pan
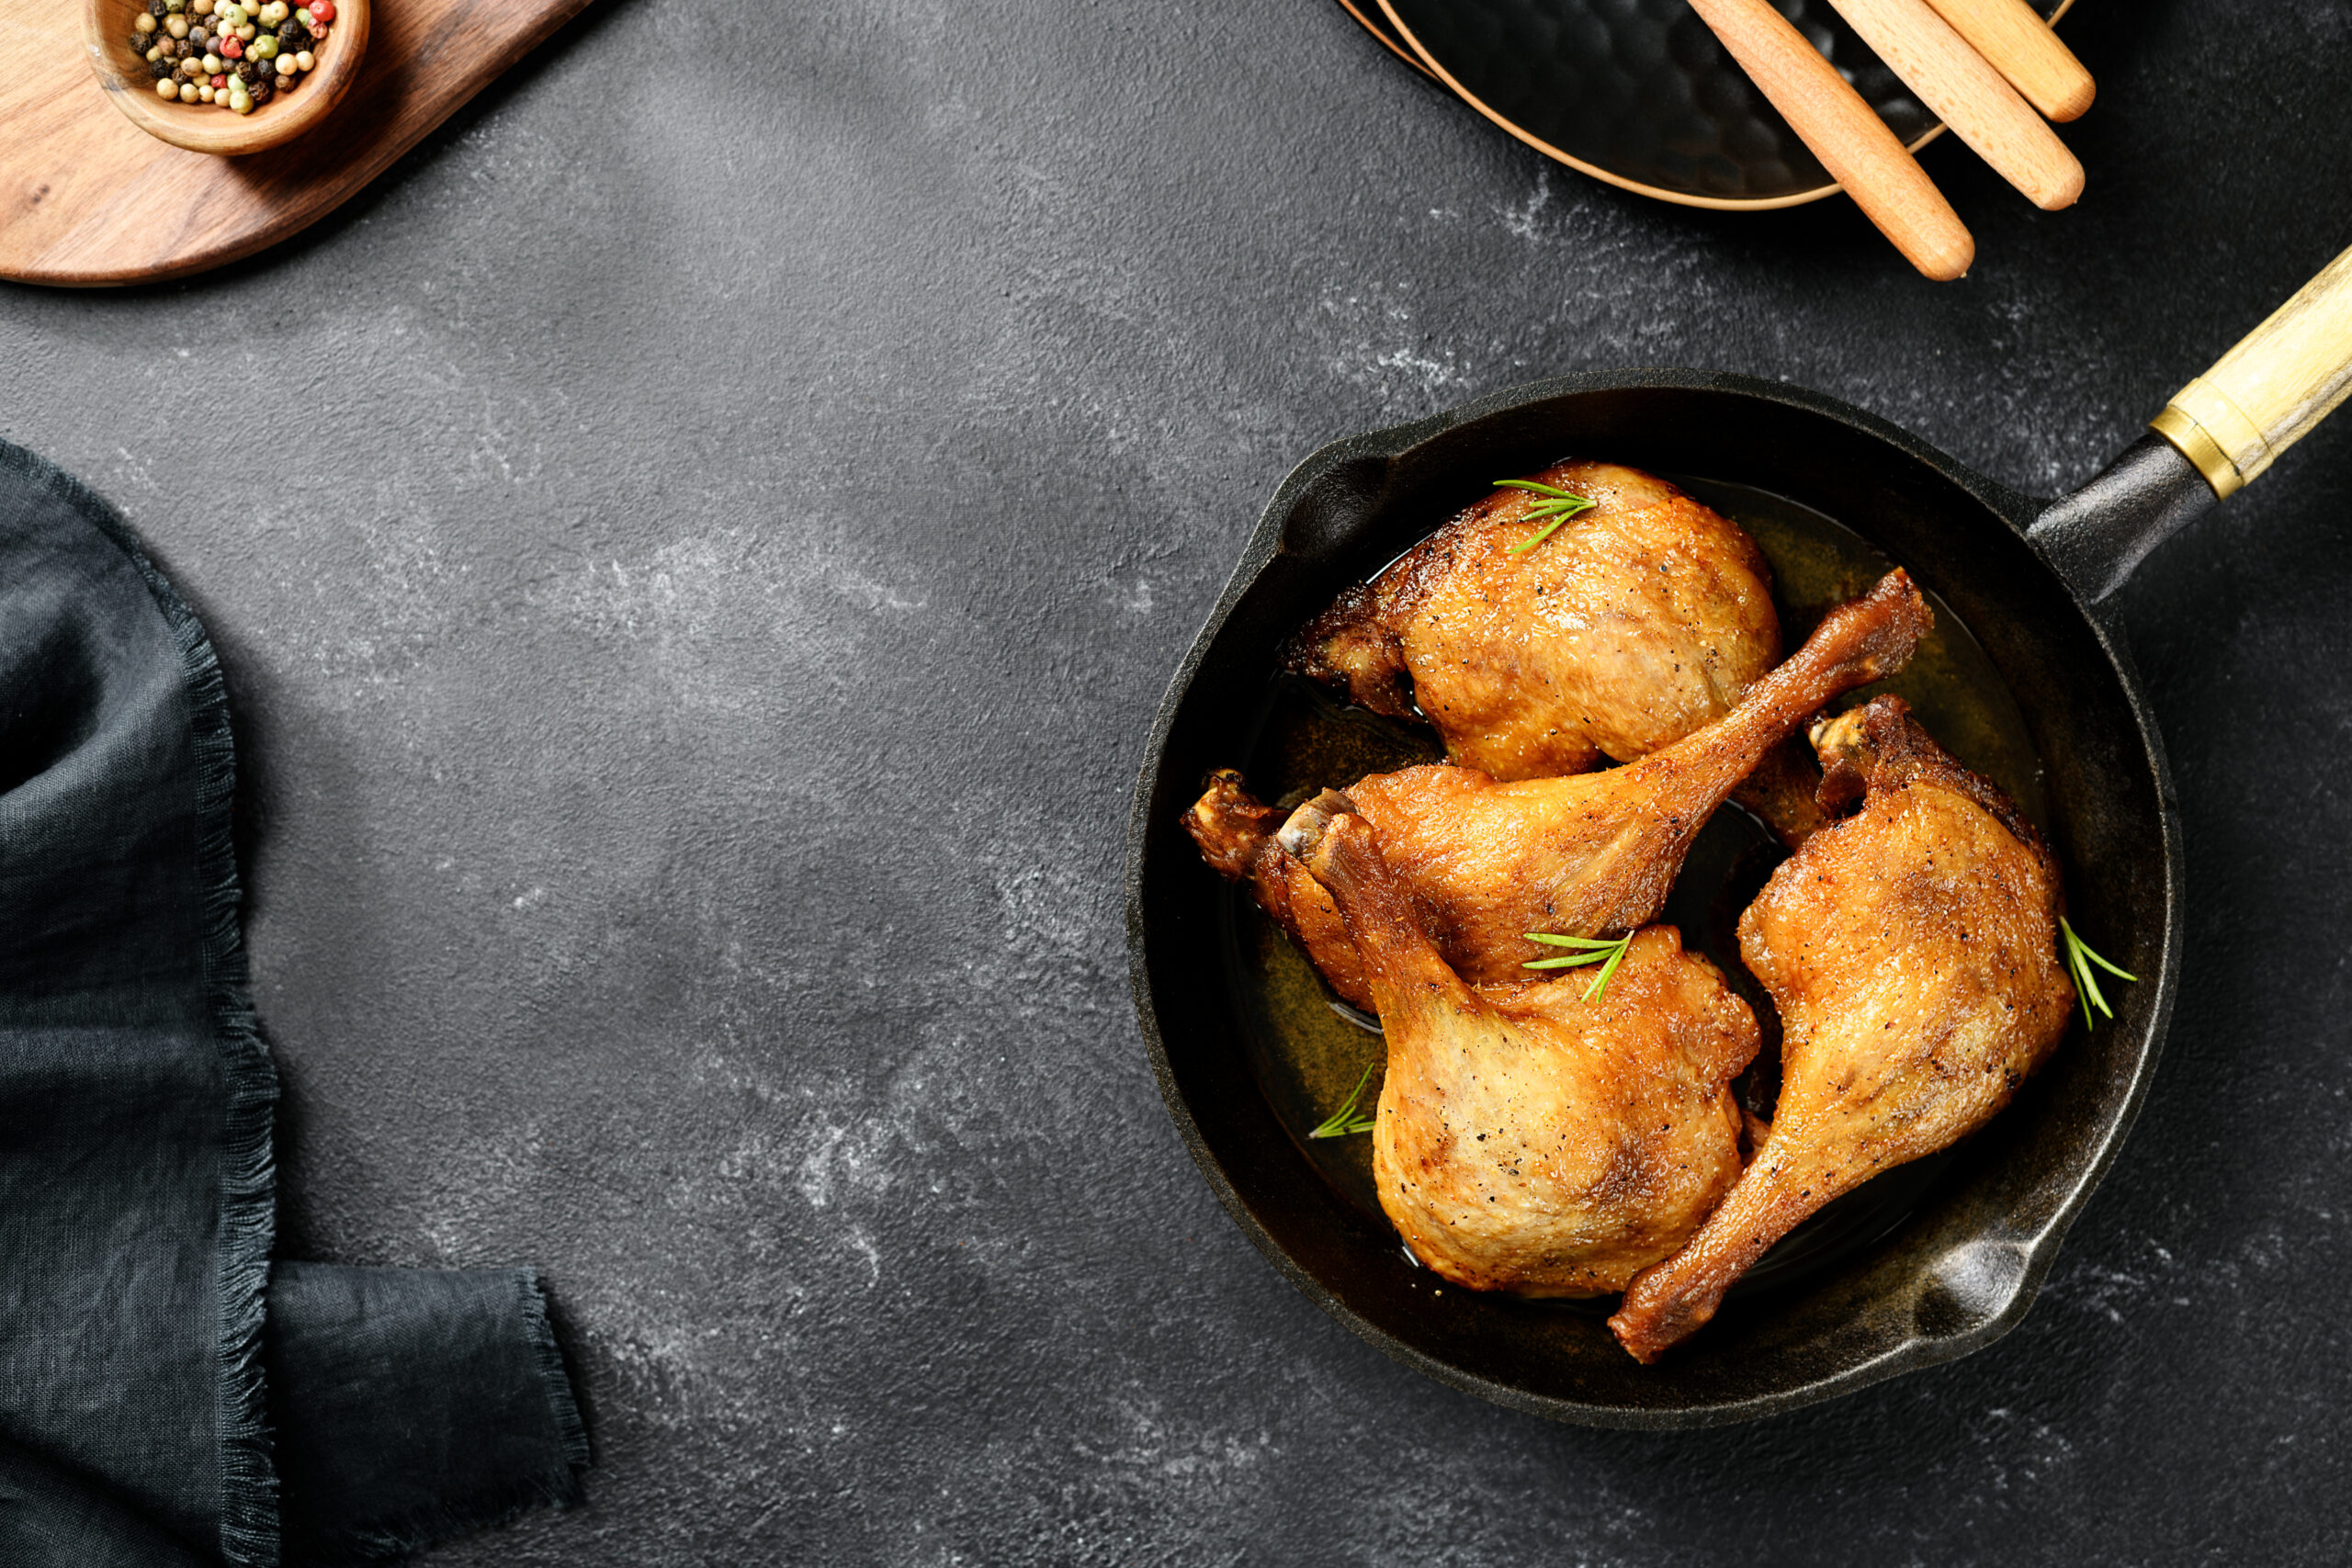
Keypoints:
pixel 2025 576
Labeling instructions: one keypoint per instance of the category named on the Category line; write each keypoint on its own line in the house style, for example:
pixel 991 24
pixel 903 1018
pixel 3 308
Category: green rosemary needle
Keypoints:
pixel 1588 950
pixel 1558 505
pixel 2079 959
pixel 1344 1121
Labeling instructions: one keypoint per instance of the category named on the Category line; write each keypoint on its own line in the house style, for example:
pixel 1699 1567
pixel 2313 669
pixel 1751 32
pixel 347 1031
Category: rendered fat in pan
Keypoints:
pixel 2031 578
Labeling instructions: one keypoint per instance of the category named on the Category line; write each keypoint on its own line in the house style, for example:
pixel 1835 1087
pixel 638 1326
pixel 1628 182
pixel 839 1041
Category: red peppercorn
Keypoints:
pixel 231 48
pixel 221 81
pixel 323 10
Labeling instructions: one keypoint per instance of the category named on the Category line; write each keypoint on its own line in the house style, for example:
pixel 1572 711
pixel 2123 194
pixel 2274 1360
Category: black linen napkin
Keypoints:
pixel 158 1381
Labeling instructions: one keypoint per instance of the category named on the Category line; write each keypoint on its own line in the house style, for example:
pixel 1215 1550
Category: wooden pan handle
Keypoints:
pixel 1851 142
pixel 2285 376
pixel 1967 93
pixel 2012 35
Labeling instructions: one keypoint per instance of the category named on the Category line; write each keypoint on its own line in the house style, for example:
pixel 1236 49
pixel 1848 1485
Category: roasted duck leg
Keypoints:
pixel 1236 833
pixel 1487 862
pixel 1628 626
pixel 1632 625
pixel 1528 1140
pixel 1913 953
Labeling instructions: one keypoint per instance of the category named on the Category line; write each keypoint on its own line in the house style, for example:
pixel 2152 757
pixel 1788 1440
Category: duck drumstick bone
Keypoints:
pixel 1488 863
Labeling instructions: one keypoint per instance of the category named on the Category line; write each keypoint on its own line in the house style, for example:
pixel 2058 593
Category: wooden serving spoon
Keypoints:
pixel 1851 142
pixel 2023 48
pixel 1961 88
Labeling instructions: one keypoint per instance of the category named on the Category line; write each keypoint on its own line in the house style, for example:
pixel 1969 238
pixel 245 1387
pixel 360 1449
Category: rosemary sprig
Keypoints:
pixel 1588 950
pixel 1345 1121
pixel 1557 504
pixel 2079 959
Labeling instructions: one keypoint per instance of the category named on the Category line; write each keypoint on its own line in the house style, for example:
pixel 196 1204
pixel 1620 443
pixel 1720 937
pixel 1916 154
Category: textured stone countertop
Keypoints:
pixel 714 526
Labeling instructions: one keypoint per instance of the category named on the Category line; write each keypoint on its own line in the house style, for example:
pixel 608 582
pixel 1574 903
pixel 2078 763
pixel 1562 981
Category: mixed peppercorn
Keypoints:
pixel 236 53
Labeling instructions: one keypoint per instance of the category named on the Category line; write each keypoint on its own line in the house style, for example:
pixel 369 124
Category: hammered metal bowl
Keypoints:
pixel 1638 91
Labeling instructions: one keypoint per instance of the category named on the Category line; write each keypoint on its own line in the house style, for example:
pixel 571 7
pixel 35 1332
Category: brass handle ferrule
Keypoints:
pixel 2282 378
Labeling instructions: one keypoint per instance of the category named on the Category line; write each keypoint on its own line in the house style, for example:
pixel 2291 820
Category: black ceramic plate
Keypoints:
pixel 1638 91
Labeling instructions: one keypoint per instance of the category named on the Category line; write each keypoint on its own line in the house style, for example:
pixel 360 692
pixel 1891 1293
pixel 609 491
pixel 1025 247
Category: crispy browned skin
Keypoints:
pixel 1596 853
pixel 1528 1140
pixel 1913 953
pixel 1487 862
pixel 1631 625
pixel 1236 833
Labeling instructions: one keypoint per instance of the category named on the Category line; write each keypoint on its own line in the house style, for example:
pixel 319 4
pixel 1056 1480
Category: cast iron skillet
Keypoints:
pixel 2026 576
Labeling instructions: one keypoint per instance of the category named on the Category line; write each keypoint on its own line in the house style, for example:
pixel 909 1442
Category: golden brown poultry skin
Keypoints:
pixel 1236 831
pixel 1913 953
pixel 1631 625
pixel 1528 1140
pixel 1487 862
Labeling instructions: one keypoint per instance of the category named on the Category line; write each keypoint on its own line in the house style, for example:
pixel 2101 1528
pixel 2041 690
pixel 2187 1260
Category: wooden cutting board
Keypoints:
pixel 87 198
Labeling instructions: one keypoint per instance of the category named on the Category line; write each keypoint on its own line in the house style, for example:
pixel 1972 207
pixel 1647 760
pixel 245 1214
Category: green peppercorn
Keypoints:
pixel 264 45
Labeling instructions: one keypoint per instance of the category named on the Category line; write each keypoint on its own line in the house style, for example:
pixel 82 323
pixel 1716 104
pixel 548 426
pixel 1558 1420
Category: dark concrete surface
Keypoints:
pixel 696 549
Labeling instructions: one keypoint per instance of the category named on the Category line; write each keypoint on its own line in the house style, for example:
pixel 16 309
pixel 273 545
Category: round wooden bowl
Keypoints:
pixel 107 26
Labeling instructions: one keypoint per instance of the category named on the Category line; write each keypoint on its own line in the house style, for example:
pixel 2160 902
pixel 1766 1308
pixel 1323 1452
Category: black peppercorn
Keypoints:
pixel 141 44
pixel 260 87
pixel 245 69
pixel 293 36
pixel 160 69
pixel 157 10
